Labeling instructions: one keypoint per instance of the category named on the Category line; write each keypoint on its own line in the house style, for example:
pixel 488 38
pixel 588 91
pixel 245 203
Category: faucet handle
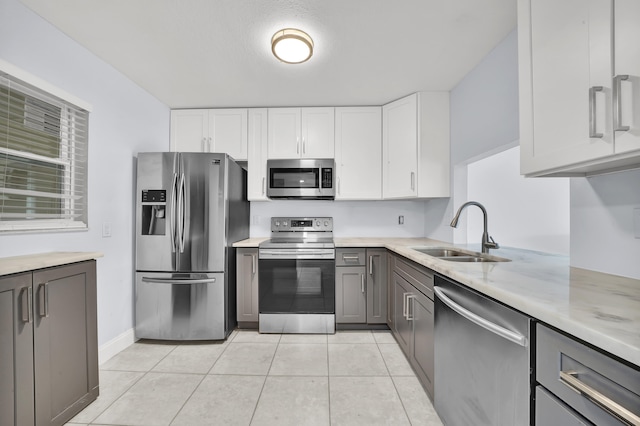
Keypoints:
pixel 491 244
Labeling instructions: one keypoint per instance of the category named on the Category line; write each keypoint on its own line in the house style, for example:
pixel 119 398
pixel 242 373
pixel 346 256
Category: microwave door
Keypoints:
pixel 156 199
pixel 201 216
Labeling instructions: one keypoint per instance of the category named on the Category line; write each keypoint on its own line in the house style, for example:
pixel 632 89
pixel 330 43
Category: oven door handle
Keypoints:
pixel 295 254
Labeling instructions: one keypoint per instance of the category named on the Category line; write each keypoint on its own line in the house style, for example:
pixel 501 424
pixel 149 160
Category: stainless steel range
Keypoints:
pixel 297 276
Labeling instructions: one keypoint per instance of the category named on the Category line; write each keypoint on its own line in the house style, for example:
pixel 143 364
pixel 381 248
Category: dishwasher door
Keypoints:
pixel 482 359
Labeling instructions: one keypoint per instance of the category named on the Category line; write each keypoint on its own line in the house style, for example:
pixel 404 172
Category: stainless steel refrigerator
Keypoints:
pixel 190 209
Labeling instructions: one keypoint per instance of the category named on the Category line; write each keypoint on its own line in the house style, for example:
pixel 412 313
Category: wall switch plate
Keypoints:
pixel 636 222
pixel 106 229
pixel 400 220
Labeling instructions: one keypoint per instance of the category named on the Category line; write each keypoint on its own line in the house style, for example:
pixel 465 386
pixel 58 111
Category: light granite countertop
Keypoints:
pixel 599 308
pixel 30 262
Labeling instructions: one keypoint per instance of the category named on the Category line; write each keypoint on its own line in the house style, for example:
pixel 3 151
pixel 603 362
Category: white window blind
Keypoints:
pixel 43 160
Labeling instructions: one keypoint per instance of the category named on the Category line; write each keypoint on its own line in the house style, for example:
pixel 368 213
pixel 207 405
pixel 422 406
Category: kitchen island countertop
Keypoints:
pixel 601 309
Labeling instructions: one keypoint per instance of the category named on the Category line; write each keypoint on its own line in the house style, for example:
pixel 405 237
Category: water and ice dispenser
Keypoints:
pixel 154 212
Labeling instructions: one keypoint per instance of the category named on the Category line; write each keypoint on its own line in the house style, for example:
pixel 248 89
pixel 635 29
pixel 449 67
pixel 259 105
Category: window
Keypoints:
pixel 43 159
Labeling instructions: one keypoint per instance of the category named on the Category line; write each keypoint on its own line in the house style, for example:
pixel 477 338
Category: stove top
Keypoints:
pixel 300 232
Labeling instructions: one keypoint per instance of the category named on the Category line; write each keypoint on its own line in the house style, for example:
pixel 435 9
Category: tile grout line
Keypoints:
pixel 393 382
pixel 328 383
pixel 265 380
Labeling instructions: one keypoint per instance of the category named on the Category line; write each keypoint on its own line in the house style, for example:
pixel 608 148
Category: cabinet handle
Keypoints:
pixel 253 264
pixel 371 265
pixel 413 185
pixel 209 139
pixel 570 379
pixel 592 112
pixel 362 283
pixel 304 146
pixel 404 304
pixel 26 302
pixel 43 300
pixel 410 299
pixel 617 103
pixel 263 184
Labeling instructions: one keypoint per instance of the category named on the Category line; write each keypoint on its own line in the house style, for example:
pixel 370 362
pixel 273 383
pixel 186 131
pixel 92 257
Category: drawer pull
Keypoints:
pixel 350 258
pixel 570 379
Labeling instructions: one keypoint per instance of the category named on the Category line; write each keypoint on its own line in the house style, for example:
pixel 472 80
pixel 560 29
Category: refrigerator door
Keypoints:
pixel 156 199
pixel 175 306
pixel 201 213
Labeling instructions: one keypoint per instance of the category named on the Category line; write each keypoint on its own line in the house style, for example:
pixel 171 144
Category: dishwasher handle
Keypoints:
pixel 482 322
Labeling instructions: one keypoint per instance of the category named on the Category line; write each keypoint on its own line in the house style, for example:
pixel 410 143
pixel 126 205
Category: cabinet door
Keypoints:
pixel 400 148
pixel 247 284
pixel 627 62
pixel 421 313
pixel 318 132
pixel 16 351
pixel 284 133
pixel 189 130
pixel 358 152
pixel 564 55
pixel 402 326
pixel 257 155
pixel 351 299
pixel 65 341
pixel 228 132
pixel 376 286
pixel 390 292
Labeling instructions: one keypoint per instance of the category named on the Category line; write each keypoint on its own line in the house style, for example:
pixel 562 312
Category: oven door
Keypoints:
pixel 296 281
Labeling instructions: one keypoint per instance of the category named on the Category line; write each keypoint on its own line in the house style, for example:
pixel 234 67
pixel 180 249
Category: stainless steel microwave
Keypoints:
pixel 308 179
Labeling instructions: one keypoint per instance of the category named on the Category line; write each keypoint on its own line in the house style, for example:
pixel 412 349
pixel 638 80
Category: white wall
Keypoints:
pixel 602 234
pixel 125 120
pixel 351 218
pixel 525 213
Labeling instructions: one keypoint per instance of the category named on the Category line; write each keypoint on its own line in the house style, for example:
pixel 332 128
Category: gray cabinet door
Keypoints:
pixel 247 284
pixel 16 351
pixel 351 298
pixel 390 293
pixel 376 286
pixel 421 313
pixel 402 325
pixel 65 341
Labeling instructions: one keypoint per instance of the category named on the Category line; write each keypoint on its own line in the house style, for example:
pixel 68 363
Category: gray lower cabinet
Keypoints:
pixel 361 286
pixel 247 287
pixel 49 345
pixel 413 316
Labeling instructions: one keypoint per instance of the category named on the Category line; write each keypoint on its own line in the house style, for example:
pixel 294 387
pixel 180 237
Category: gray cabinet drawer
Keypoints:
pixel 350 257
pixel 565 364
pixel 418 276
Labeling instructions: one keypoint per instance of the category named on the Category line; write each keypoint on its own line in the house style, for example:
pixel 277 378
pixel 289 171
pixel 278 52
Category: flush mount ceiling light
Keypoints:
pixel 292 46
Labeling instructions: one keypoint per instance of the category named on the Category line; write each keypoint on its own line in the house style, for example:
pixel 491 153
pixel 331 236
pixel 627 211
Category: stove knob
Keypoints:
pixel 326 223
pixel 277 223
pixel 284 223
pixel 317 223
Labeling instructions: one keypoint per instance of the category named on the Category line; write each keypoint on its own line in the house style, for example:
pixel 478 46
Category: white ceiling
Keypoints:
pixel 217 53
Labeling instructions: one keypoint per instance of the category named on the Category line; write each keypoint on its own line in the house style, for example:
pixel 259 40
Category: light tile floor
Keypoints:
pixel 350 378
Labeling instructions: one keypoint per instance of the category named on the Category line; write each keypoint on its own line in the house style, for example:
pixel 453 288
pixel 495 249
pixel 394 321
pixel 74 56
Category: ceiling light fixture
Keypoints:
pixel 292 46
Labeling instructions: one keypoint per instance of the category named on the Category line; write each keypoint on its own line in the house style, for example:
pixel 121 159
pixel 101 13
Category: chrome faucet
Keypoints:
pixel 487 241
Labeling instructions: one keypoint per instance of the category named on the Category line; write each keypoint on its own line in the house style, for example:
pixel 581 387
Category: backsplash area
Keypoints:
pixel 351 218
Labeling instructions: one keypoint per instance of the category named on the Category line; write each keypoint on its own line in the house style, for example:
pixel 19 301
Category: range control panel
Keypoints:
pixel 301 224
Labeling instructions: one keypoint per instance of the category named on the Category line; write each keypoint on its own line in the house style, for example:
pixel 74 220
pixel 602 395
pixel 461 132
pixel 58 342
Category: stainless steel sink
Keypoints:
pixel 454 255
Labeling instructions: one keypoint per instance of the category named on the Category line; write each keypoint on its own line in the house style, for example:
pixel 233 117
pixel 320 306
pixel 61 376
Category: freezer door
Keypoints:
pixel 180 306
pixel 201 212
pixel 156 198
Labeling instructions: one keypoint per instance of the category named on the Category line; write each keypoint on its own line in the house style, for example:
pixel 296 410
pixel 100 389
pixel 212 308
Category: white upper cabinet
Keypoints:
pixel 571 90
pixel 415 146
pixel 301 132
pixel 210 130
pixel 257 161
pixel 358 153
pixel 189 130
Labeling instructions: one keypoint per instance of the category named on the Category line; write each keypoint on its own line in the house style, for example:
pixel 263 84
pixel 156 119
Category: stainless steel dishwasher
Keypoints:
pixel 482 359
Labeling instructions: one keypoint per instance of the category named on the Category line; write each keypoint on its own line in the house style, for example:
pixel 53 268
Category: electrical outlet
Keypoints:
pixel 400 220
pixel 106 229
pixel 636 222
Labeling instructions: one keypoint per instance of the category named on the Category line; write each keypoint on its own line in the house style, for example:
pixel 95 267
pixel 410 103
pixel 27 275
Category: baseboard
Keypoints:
pixel 115 345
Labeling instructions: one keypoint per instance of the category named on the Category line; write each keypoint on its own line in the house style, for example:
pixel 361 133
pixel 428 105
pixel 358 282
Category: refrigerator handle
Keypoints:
pixel 172 208
pixel 181 208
